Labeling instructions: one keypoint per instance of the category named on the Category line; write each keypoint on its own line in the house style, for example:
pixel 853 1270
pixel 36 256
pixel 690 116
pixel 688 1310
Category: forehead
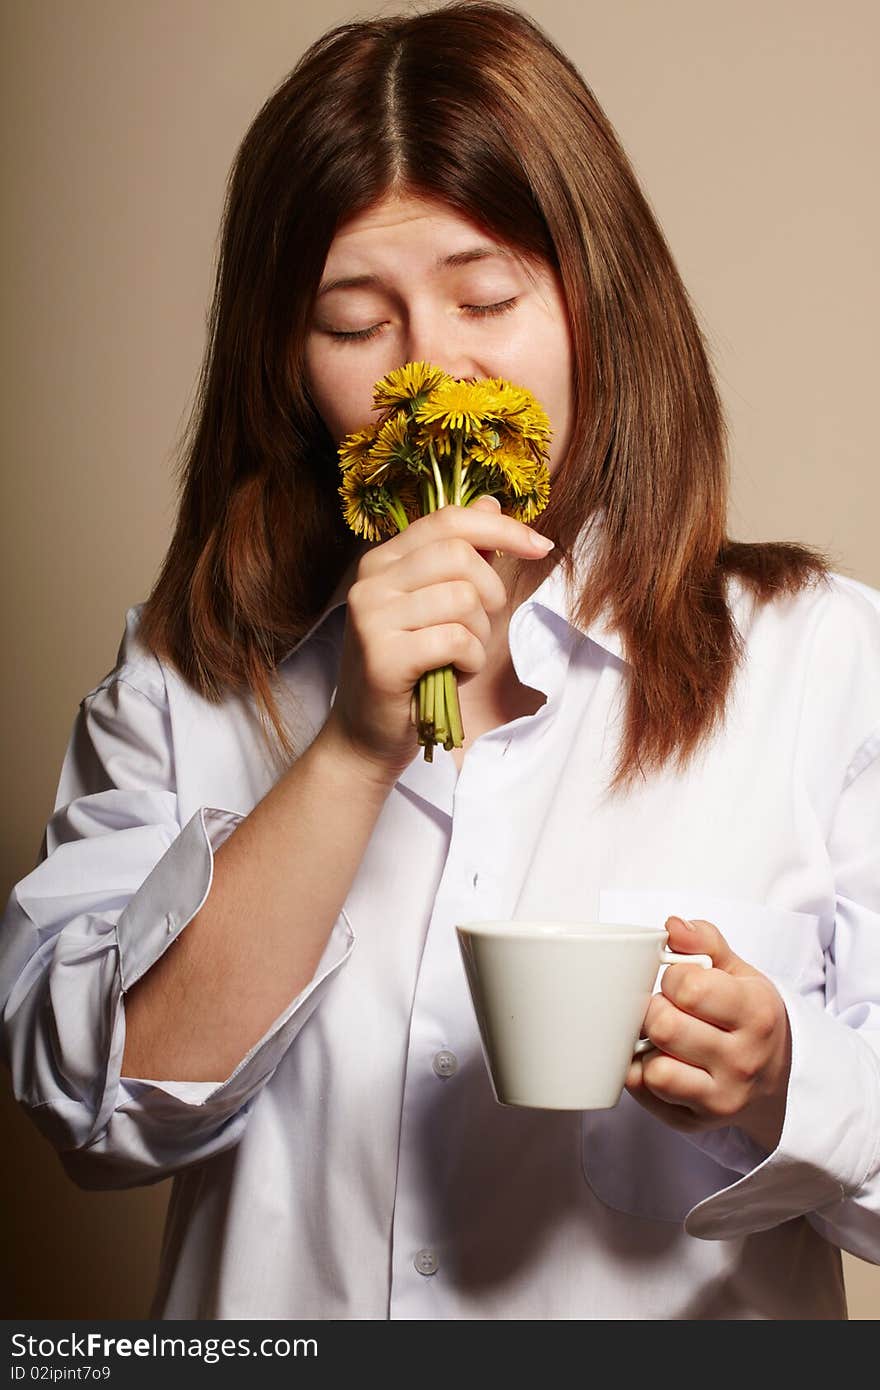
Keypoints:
pixel 402 210
pixel 428 232
pixel 420 227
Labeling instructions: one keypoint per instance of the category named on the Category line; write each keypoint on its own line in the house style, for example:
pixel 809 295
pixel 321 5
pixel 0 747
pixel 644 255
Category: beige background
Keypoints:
pixel 754 131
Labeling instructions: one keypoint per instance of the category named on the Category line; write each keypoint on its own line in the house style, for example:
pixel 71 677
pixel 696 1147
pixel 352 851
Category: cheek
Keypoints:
pixel 546 370
pixel 539 356
pixel 557 373
pixel 556 399
pixel 342 393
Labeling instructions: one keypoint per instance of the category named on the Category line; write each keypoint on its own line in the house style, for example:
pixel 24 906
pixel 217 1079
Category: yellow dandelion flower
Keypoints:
pixel 517 470
pixel 504 400
pixel 454 405
pixel 410 382
pixel 394 445
pixel 372 510
pixel 534 424
pixel 356 446
pixel 444 439
pixel 516 410
pixel 527 505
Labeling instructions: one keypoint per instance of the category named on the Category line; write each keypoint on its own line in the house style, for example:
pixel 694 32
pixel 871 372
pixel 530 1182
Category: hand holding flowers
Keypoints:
pixel 442 442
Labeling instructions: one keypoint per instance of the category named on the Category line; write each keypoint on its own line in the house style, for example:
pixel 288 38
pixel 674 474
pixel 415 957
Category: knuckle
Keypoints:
pixel 747 1068
pixel 725 1104
pixel 432 649
pixel 474 596
pixel 765 1021
pixel 367 564
pixel 354 593
pixel 497 596
pixel 465 594
pixel 658 1071
pixel 689 987
pixel 450 550
pixel 365 595
pixel 663 1027
pixel 448 524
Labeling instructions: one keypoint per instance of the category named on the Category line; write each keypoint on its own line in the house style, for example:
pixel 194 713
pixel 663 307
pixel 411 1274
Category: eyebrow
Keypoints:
pixel 474 253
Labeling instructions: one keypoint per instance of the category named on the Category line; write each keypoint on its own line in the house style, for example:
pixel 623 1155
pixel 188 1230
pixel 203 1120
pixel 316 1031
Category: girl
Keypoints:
pixel 236 963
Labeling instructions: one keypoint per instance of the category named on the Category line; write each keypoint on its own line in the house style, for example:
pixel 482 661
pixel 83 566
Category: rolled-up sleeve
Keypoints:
pixel 826 1165
pixel 118 879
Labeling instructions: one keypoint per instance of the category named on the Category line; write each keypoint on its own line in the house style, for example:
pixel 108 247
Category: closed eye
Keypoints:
pixel 474 310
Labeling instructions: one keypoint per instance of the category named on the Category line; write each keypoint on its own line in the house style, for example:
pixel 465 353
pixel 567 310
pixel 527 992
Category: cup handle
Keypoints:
pixel 674 958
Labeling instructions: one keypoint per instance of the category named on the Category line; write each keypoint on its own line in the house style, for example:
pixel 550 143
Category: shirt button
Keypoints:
pixel 445 1063
pixel 426 1262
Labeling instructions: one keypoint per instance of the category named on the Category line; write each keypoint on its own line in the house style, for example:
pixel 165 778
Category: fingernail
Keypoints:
pixel 542 543
pixel 682 922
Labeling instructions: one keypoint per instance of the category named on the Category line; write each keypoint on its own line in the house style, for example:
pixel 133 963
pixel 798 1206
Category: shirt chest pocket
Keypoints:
pixel 632 1161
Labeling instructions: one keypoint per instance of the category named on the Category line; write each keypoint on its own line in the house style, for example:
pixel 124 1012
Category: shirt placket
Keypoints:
pixel 443 1030
pixel 475 885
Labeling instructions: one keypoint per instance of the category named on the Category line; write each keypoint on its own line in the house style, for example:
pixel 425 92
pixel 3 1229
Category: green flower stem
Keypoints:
pixel 437 683
pixel 440 713
pixel 447 721
pixel 455 727
pixel 438 477
pixel 469 493
pixel 397 512
pixel 435 699
pixel 456 471
pixel 430 717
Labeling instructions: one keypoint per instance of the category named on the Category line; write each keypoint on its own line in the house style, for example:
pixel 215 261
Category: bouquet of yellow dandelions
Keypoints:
pixel 442 441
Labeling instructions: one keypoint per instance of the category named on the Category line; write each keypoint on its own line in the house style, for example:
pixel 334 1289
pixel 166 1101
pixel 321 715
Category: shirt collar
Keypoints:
pixel 553 594
pixel 336 600
pixel 558 596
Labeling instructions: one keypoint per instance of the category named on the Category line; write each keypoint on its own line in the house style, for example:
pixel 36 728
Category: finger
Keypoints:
pixel 453 602
pixel 688 1039
pixel 448 562
pixel 483 527
pixel 490 501
pixel 634 1074
pixel 676 1116
pixel 697 935
pixel 677 1083
pixel 710 995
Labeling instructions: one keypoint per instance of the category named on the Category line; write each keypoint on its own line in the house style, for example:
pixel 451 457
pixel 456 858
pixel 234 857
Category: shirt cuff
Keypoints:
pixel 172 893
pixel 828 1147
pixel 155 916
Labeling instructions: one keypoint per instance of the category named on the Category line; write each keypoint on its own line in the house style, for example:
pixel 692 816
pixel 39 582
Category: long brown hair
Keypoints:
pixel 471 103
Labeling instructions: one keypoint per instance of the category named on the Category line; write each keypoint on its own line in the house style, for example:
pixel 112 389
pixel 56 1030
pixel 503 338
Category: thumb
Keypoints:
pixel 696 936
pixel 486 498
pixel 486 502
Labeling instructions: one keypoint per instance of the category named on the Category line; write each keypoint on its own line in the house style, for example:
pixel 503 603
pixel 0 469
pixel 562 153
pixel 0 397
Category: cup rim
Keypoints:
pixel 534 930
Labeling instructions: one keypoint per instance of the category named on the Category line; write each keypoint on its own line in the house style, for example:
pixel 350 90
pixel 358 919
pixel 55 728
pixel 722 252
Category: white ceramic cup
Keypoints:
pixel 560 1005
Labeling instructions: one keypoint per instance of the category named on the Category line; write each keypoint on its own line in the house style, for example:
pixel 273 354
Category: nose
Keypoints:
pixel 431 336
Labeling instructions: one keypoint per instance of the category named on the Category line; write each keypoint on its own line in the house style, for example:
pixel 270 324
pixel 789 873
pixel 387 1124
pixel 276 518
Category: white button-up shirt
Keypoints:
pixel 355 1164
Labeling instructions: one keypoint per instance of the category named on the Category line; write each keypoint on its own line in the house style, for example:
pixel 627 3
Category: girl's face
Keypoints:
pixel 433 288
